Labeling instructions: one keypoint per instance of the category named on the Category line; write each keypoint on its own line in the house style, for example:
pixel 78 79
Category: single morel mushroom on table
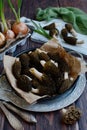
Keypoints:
pixel 53 31
pixel 64 32
pixel 72 40
pixel 70 29
pixel 70 115
pixel 50 26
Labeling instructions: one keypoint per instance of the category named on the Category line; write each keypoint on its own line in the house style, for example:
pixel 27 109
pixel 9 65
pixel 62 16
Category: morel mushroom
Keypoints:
pixel 43 78
pixel 70 115
pixel 43 89
pixel 72 40
pixel 24 83
pixel 50 26
pixel 62 64
pixel 16 69
pixel 34 59
pixel 24 58
pixel 54 32
pixel 65 85
pixel 50 67
pixel 64 32
pixel 43 55
pixel 70 29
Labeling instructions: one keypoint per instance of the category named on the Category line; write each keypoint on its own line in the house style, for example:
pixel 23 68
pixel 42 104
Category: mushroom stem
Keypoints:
pixel 70 29
pixel 34 90
pixel 43 62
pixel 73 32
pixel 28 77
pixel 36 73
pixel 40 51
pixel 80 42
pixel 55 63
pixel 64 111
pixel 66 75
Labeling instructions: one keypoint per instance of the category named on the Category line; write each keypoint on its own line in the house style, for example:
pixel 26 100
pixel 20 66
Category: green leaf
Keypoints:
pixel 19 7
pixel 1 6
pixel 10 4
pixel 36 25
pixel 19 3
pixel 13 9
pixel 40 30
pixel 2 15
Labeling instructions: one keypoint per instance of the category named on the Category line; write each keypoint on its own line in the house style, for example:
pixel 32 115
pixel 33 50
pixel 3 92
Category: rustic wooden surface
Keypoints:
pixel 51 120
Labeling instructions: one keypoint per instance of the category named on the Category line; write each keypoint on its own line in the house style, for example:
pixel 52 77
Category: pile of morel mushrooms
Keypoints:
pixel 11 30
pixel 48 70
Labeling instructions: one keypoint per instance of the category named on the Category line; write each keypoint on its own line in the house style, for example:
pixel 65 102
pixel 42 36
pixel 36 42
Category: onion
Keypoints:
pixel 2 40
pixel 9 34
pixel 20 28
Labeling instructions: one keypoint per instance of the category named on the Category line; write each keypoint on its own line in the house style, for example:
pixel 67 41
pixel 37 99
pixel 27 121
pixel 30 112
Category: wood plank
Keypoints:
pixel 73 3
pixel 29 8
pixel 8 12
pixel 2 119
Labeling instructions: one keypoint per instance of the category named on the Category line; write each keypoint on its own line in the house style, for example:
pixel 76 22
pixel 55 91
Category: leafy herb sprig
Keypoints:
pixel 39 29
pixel 16 13
pixel 2 15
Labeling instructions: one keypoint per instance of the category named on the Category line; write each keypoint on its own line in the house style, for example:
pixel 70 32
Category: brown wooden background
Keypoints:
pixel 46 121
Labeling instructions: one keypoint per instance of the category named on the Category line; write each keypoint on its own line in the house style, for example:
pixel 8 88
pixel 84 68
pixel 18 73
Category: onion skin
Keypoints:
pixel 9 34
pixel 20 28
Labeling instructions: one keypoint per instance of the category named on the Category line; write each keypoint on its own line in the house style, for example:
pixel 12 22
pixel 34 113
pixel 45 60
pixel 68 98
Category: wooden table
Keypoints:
pixel 51 120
